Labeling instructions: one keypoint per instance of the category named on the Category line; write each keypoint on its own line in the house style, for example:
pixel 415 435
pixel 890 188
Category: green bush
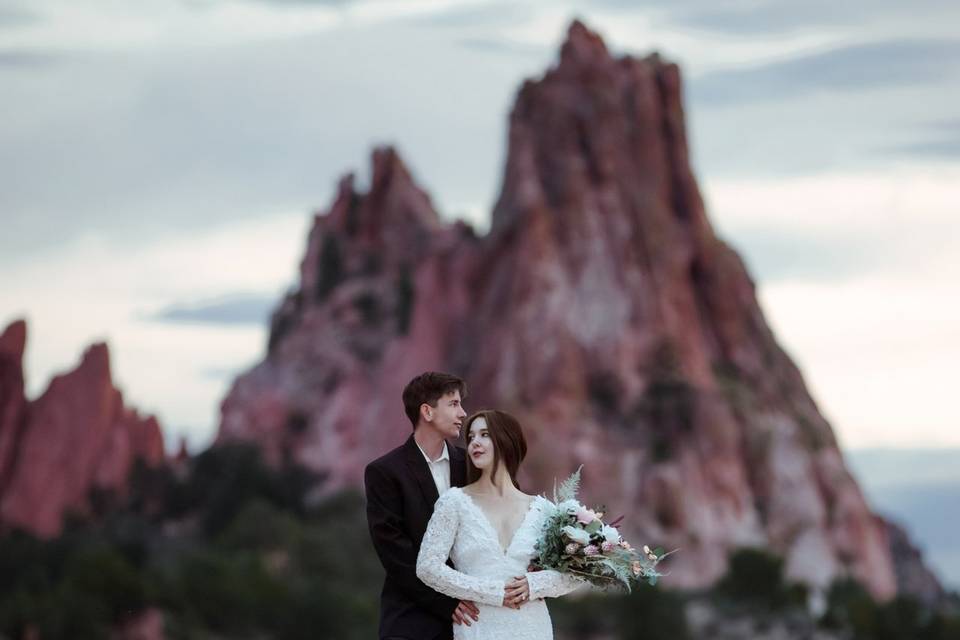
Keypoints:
pixel 648 613
pixel 755 578
pixel 246 558
pixel 850 607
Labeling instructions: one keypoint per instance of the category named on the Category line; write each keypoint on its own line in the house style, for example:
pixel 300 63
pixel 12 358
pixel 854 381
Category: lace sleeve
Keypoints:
pixel 548 583
pixel 434 551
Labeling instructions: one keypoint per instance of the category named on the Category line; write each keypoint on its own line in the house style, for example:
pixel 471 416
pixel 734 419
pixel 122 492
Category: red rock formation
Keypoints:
pixel 343 345
pixel 76 437
pixel 13 402
pixel 601 308
pixel 913 576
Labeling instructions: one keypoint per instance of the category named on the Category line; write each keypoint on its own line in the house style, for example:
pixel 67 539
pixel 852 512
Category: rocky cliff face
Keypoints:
pixel 75 437
pixel 344 344
pixel 601 308
pixel 913 575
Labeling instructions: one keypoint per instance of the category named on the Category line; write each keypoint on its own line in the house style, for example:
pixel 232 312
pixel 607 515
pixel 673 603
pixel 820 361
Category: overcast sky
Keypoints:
pixel 160 160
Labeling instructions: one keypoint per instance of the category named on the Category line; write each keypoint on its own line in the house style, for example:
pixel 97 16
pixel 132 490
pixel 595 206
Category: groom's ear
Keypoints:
pixel 426 412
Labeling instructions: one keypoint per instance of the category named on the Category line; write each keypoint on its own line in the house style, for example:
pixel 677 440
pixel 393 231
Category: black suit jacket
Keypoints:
pixel 400 498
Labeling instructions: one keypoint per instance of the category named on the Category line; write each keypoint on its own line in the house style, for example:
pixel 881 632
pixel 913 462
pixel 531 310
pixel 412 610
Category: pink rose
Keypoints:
pixel 591 550
pixel 572 548
pixel 585 516
pixel 607 547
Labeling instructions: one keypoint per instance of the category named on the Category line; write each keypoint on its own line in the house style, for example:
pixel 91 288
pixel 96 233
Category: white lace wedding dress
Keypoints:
pixel 460 530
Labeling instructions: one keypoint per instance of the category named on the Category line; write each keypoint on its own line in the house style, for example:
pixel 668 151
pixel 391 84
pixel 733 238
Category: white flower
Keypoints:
pixel 576 534
pixel 610 534
pixel 570 506
pixel 646 549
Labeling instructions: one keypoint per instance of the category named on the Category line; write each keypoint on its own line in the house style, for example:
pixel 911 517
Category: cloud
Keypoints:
pixel 752 17
pixel 104 27
pixel 937 139
pixel 221 374
pixel 871 65
pixel 837 227
pixel 332 3
pixel 252 309
pixel 17 16
pixel 150 142
pixel 947 149
pixel 776 253
pixel 477 15
pixel 882 469
pixel 504 46
pixel 15 59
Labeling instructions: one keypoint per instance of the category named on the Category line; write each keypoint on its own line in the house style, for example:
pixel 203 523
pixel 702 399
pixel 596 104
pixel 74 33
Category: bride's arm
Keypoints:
pixel 548 583
pixel 432 566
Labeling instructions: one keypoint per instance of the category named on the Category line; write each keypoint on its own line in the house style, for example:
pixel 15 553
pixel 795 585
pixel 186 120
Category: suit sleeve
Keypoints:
pixel 396 550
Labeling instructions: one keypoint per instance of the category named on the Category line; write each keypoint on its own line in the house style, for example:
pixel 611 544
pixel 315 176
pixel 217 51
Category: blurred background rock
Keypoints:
pixel 598 301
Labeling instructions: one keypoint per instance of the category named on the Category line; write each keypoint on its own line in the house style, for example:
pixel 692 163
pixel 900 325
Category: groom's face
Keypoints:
pixel 447 417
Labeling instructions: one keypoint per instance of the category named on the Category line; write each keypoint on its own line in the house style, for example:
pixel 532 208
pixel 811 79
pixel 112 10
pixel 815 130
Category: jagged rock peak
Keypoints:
pixel 598 133
pixel 389 229
pixel 78 435
pixel 394 200
pixel 95 362
pixel 13 340
pixel 12 399
pixel 582 45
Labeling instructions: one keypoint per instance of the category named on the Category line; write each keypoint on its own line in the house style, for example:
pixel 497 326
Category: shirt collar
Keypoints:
pixel 443 456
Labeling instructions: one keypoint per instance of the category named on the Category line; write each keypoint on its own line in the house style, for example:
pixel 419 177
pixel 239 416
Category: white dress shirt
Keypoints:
pixel 439 468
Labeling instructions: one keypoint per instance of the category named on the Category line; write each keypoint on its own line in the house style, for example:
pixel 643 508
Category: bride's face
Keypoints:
pixel 480 445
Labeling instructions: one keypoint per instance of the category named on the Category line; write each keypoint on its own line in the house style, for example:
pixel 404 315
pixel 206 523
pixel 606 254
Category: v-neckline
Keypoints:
pixel 493 530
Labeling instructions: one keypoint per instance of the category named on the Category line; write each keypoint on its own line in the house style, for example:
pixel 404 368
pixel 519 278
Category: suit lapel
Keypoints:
pixel 420 470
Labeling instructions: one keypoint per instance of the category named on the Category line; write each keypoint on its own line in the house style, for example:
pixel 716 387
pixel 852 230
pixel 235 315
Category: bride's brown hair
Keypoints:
pixel 509 445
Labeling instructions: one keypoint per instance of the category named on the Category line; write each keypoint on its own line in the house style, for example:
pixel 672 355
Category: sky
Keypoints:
pixel 160 162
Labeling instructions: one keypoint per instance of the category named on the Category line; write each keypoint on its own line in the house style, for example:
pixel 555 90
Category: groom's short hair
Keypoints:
pixel 429 387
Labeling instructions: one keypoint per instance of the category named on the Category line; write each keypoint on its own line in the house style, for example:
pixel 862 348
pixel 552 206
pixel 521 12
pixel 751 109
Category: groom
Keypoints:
pixel 401 487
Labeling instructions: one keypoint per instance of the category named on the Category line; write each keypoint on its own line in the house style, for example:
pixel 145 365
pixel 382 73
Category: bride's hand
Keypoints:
pixel 516 592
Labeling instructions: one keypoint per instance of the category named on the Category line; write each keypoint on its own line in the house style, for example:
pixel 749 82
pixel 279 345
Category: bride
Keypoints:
pixel 488 529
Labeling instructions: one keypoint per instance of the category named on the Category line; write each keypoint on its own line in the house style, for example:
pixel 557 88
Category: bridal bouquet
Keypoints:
pixel 575 540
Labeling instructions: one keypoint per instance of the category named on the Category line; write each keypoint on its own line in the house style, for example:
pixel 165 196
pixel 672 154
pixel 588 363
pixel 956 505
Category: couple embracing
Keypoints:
pixel 452 528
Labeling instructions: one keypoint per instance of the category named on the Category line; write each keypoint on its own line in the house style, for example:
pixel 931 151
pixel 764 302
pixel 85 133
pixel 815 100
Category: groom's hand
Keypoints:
pixel 464 611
